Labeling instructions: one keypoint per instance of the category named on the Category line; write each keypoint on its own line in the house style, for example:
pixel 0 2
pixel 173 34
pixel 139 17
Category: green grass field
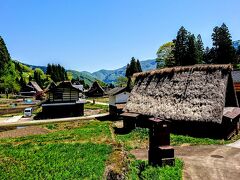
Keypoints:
pixel 53 161
pixel 81 150
pixel 99 99
pixel 102 108
pixel 75 152
pixel 138 138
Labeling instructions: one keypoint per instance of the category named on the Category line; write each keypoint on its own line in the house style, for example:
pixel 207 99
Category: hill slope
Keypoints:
pixel 86 76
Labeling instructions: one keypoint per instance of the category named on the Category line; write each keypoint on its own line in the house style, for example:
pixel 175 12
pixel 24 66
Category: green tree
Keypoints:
pixel 200 49
pixel 39 77
pixel 209 55
pixel 8 78
pixel 222 44
pixel 133 67
pixel 139 66
pixel 122 81
pixel 180 50
pixel 191 54
pixel 4 55
pixel 165 56
pixel 57 72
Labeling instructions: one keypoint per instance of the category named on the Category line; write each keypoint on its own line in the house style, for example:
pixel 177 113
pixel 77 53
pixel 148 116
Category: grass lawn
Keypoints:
pixel 53 161
pixel 75 152
pixel 103 108
pixel 99 99
pixel 138 138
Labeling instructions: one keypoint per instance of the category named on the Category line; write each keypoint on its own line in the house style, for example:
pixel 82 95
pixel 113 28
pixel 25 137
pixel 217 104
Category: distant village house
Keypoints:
pixel 95 90
pixel 118 97
pixel 31 89
pixel 63 101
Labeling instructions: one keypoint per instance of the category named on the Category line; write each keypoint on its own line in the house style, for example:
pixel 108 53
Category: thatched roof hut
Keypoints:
pixel 95 90
pixel 191 93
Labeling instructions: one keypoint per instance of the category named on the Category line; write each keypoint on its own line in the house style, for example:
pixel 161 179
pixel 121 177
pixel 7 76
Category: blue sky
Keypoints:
pixel 104 34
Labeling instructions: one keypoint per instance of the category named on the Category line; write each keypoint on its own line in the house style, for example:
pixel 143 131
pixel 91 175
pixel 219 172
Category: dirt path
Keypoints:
pixel 31 130
pixel 100 103
pixel 205 162
pixel 47 121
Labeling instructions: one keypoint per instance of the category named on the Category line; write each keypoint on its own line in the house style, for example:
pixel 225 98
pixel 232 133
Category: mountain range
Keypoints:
pixel 107 76
pixel 110 76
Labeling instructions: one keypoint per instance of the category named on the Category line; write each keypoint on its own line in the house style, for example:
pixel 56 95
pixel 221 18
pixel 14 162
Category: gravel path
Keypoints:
pixel 205 162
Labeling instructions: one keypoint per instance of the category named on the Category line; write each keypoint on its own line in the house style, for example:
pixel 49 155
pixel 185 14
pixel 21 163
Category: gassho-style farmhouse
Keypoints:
pixel 199 99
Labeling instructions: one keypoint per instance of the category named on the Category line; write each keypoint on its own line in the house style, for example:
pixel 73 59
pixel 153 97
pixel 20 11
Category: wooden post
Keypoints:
pixel 160 152
pixel 129 120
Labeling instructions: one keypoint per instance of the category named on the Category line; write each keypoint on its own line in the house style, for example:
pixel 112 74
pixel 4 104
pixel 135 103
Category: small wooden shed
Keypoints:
pixel 193 98
pixel 118 97
pixel 63 101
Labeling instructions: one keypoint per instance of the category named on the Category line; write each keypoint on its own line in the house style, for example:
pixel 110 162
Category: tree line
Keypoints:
pixel 186 49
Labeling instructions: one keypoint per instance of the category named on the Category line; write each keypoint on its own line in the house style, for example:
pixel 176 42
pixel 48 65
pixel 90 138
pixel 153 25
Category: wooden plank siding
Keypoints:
pixel 64 95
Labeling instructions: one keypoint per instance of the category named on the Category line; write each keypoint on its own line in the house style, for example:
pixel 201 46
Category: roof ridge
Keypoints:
pixel 197 67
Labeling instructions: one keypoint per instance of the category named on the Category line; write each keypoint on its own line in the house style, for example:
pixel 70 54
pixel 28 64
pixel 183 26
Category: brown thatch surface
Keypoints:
pixel 192 93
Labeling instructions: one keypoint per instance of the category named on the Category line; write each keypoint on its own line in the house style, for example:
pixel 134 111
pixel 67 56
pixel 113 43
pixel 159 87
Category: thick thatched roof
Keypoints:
pixel 191 93
pixel 95 87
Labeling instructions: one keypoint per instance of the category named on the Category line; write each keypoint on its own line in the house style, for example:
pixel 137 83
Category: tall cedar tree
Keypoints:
pixel 133 67
pixel 4 55
pixel 191 57
pixel 200 49
pixel 139 66
pixel 222 44
pixel 180 50
pixel 57 72
pixel 209 55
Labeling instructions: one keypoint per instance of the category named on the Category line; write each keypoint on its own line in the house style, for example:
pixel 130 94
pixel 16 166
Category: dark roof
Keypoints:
pixel 51 85
pixel 193 93
pixel 64 84
pixel 117 90
pixel 95 86
pixel 35 86
pixel 236 76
